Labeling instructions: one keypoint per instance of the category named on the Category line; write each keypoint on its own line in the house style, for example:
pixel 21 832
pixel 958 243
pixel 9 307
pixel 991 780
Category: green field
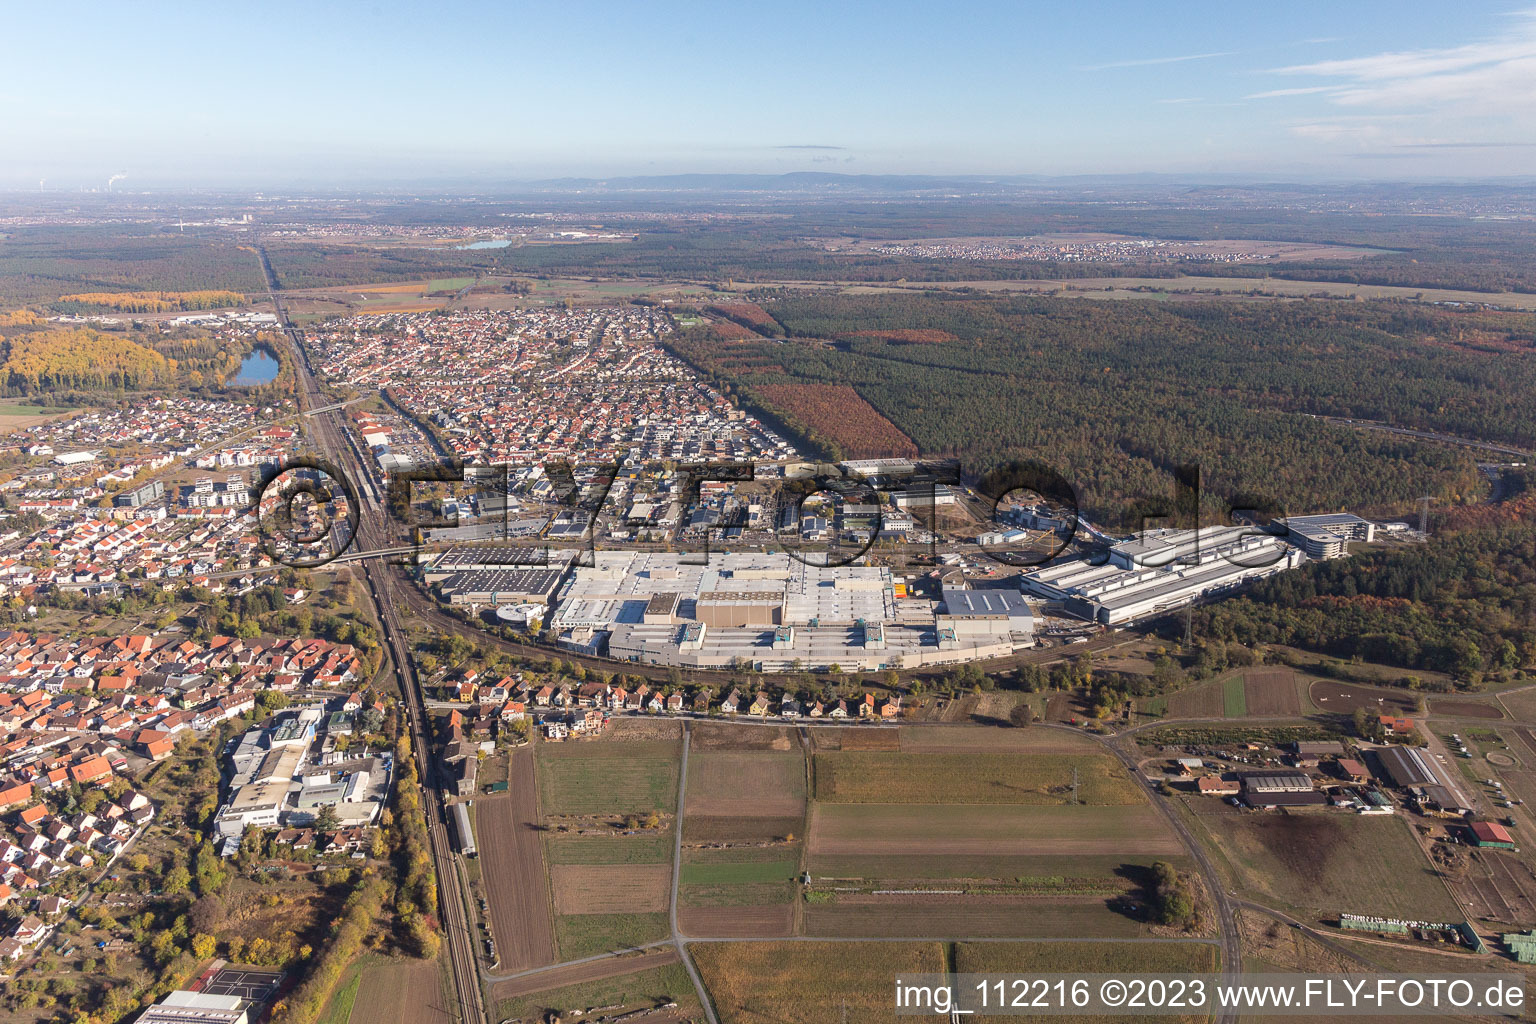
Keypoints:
pixel 871 777
pixel 579 935
pixel 627 778
pixel 449 284
pixel 1235 696
pixel 737 894
pixel 339 1009
pixel 645 848
pixel 737 873
pixel 16 407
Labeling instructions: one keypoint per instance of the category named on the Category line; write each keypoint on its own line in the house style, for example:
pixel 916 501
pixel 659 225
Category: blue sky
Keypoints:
pixel 217 93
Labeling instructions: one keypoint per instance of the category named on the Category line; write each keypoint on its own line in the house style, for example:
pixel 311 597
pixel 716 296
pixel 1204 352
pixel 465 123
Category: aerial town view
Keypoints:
pixel 1035 522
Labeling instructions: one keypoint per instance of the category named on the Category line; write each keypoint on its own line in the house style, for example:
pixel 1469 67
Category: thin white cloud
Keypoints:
pixel 1306 90
pixel 1151 61
pixel 1494 75
pixel 1474 95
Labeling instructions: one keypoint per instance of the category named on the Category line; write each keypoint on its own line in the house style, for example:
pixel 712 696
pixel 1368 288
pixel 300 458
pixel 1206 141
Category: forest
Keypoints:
pixel 39 264
pixel 71 366
pixel 152 301
pixel 1112 395
pixel 1464 604
pixel 80 359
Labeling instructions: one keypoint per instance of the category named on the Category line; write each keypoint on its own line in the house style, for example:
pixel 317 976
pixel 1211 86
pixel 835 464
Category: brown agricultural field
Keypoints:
pixel 970 919
pixel 636 982
pixel 611 888
pixel 512 868
pixel 868 739
pixel 746 783
pixel 1203 700
pixel 1088 957
pixel 1326 862
pixel 838 412
pixel 1067 873
pixel 748 313
pixel 729 330
pixel 706 830
pixel 642 730
pixel 1271 692
pixel 875 830
pixel 402 992
pixel 961 739
pixel 726 736
pixel 810 982
pixel 875 777
pixel 1521 704
pixel 738 922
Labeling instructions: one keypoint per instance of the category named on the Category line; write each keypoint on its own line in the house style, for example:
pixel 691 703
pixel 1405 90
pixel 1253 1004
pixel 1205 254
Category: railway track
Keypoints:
pixel 453 911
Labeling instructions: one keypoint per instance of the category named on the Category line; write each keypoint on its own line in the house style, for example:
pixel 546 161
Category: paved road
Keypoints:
pixel 1231 941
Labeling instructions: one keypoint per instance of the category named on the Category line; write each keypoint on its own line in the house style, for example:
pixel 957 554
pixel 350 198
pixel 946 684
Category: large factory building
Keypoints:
pixel 1162 570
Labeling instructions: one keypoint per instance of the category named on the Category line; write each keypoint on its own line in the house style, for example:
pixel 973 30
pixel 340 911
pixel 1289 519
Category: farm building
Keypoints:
pixel 1210 785
pixel 1310 752
pixel 1275 782
pixel 1279 789
pixel 1491 833
pixel 1440 800
pixel 1408 767
pixel 1352 770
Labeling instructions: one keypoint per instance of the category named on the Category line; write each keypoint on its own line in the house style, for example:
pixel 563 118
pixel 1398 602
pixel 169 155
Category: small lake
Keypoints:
pixel 260 367
pixel 499 243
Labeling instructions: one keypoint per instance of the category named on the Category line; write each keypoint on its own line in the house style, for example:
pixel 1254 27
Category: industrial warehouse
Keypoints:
pixel 772 612
pixel 776 614
pixel 1162 570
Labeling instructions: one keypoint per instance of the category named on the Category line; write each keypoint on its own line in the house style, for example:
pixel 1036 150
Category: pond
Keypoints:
pixel 260 367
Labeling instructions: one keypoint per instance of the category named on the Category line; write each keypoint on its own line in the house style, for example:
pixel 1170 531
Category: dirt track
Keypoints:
pixel 512 863
pixel 1343 698
pixel 1464 709
pixel 577 974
